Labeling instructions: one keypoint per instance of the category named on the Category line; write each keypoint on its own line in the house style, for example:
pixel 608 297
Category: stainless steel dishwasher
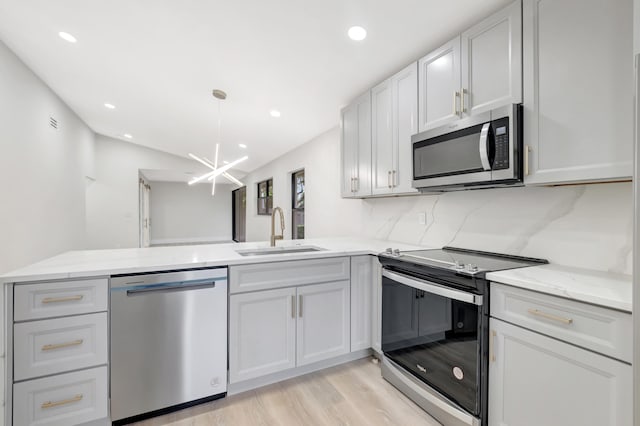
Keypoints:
pixel 168 341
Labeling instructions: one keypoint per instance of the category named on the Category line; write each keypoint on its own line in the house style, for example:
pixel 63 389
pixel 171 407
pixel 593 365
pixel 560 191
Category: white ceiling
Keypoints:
pixel 158 60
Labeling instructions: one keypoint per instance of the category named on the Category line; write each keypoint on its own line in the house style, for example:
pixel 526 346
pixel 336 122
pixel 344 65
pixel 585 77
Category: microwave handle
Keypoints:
pixel 484 154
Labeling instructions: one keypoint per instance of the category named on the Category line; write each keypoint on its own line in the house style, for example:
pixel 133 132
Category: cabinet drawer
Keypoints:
pixel 59 345
pixel 599 329
pixel 52 299
pixel 263 276
pixel 62 400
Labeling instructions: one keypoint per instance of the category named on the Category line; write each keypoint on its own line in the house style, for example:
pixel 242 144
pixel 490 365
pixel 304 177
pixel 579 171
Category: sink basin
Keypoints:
pixel 278 250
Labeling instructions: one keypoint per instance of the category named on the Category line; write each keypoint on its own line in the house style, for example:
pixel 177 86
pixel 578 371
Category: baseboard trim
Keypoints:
pixel 247 385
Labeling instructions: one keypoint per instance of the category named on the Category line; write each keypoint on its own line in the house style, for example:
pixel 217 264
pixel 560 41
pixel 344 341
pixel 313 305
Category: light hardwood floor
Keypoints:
pixel 350 394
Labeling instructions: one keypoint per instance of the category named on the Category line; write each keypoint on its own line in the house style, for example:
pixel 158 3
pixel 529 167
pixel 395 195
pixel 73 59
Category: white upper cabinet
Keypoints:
pixel 394 106
pixel 492 62
pixel 381 138
pixel 356 147
pixel 439 86
pixel 578 90
pixel 478 71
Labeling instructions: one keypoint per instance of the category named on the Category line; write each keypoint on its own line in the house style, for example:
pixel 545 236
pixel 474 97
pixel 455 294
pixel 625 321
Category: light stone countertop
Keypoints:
pixel 600 288
pixel 87 263
pixel 606 289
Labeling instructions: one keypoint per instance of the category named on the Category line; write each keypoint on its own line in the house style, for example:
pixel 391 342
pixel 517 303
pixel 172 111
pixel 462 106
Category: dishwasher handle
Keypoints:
pixel 170 288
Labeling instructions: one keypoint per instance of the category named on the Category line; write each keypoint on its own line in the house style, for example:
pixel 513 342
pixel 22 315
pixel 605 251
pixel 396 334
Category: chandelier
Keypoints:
pixel 213 165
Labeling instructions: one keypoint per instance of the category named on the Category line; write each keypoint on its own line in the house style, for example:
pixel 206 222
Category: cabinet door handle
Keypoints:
pixel 492 354
pixel 62 345
pixel 455 102
pixel 463 108
pixel 300 306
pixel 549 316
pixel 293 306
pixel 394 182
pixel 527 150
pixel 62 299
pixel 389 179
pixel 357 184
pixel 51 404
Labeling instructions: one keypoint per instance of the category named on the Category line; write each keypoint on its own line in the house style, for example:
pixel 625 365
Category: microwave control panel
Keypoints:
pixel 501 136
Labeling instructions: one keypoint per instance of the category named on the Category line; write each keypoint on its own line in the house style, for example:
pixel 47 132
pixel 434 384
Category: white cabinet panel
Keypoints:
pixel 267 276
pixel 362 286
pixel 376 315
pixel 492 62
pixel 439 86
pixel 262 337
pixel 595 328
pixel 63 400
pixel 323 322
pixel 382 162
pixel 356 147
pixel 58 345
pixel 405 124
pixel 578 90
pixel 62 298
pixel 535 380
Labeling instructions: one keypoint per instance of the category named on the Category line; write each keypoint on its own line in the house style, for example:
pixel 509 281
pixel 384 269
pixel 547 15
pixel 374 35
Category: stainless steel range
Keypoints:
pixel 435 328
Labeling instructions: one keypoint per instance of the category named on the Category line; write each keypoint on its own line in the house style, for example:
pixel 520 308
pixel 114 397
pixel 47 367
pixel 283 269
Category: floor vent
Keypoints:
pixel 53 122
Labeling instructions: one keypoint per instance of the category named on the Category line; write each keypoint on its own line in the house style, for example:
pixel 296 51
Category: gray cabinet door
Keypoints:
pixel 262 333
pixel 578 90
pixel 439 86
pixel 492 62
pixel 536 380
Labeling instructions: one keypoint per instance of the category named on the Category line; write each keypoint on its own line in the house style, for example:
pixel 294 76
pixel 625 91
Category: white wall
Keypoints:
pixel 182 213
pixel 326 213
pixel 42 170
pixel 584 225
pixel 112 200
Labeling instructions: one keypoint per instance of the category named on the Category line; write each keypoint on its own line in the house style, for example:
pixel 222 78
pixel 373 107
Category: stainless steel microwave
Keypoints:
pixel 481 151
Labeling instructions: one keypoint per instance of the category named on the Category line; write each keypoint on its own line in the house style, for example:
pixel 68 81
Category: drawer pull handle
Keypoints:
pixel 62 299
pixel 550 316
pixel 51 404
pixel 62 345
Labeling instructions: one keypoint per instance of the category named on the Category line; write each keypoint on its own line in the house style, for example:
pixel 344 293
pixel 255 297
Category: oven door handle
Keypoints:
pixel 433 288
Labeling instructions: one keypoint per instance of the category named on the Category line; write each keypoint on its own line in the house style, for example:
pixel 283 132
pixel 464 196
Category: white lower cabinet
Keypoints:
pixel 536 380
pixel 323 322
pixel 362 287
pixel 275 330
pixel 62 400
pixel 262 333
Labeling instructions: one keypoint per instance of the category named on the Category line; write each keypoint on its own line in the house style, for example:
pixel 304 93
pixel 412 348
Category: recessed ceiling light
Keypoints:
pixel 274 113
pixel 357 33
pixel 109 106
pixel 241 145
pixel 67 37
pixel 128 136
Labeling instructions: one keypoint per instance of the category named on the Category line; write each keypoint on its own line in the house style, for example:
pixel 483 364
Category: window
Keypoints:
pixel 265 196
pixel 297 205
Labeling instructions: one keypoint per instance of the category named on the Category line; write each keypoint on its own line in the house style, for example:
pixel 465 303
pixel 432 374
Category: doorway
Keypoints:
pixel 239 214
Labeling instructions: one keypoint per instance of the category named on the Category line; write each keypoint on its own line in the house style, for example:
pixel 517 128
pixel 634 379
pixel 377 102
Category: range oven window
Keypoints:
pixel 435 338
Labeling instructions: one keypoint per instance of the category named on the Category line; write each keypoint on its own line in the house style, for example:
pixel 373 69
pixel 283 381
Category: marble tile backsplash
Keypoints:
pixel 587 226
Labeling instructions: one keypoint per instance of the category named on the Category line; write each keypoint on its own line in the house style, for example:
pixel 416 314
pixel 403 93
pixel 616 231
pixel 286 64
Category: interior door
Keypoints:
pixel 144 191
pixel 239 214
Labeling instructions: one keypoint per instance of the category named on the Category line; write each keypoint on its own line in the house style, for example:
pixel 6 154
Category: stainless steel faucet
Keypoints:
pixel 275 237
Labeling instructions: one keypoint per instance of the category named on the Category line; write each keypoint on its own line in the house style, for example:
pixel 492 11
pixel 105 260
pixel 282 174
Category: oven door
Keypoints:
pixel 434 332
pixel 460 153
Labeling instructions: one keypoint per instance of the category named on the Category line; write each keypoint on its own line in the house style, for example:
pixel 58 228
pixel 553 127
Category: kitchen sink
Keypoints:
pixel 278 250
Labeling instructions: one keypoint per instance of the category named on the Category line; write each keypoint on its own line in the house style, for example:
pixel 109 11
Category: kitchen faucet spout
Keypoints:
pixel 275 237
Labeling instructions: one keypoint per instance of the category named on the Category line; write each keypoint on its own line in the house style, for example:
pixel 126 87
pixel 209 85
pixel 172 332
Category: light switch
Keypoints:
pixel 422 218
